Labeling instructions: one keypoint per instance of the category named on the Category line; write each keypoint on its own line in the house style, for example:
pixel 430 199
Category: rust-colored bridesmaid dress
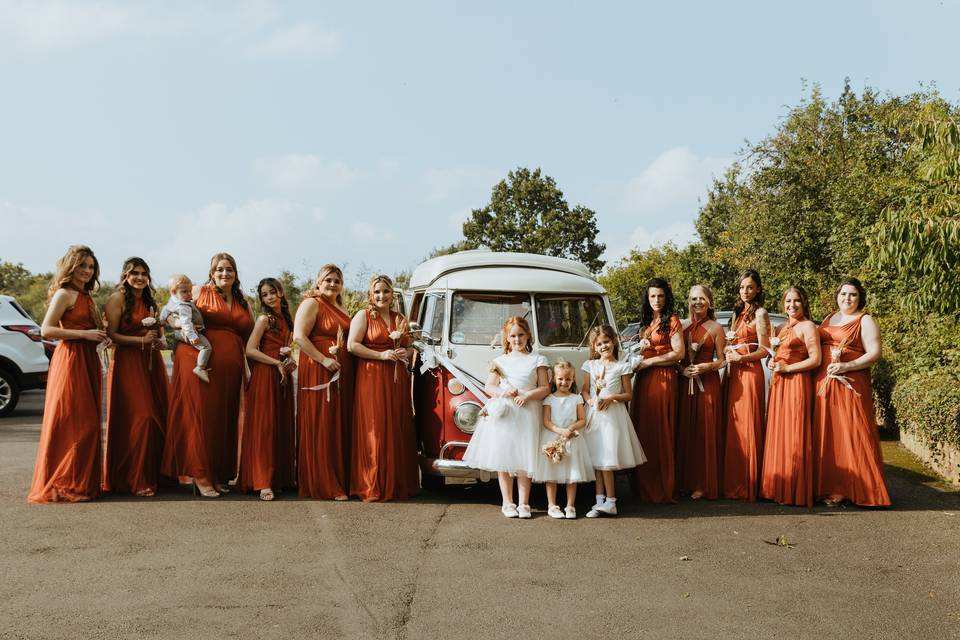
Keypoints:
pixel 654 415
pixel 846 445
pixel 324 416
pixel 743 429
pixel 68 467
pixel 698 427
pixel 787 452
pixel 136 411
pixel 267 432
pixel 202 421
pixel 384 452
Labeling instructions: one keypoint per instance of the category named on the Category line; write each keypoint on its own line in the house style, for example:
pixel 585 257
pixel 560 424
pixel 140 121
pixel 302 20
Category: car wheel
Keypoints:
pixel 431 482
pixel 9 393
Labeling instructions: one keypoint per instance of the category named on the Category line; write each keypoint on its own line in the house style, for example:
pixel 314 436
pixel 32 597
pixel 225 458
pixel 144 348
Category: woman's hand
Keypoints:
pixel 568 433
pixel 837 368
pixel 643 364
pixel 778 367
pixel 603 403
pixel 389 355
pixel 699 369
pixel 688 371
pixel 95 335
pixel 733 355
pixel 402 354
pixel 283 372
pixel 331 364
pixel 519 398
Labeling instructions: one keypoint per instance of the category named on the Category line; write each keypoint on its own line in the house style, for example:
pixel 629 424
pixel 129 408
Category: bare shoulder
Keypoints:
pixel 762 314
pixel 309 303
pixel 869 323
pixel 65 296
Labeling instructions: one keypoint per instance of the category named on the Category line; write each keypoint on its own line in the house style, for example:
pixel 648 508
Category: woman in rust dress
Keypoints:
pixel 325 405
pixel 267 429
pixel 384 455
pixel 136 386
pixel 68 467
pixel 202 421
pixel 654 406
pixel 701 399
pixel 787 453
pixel 848 464
pixel 743 430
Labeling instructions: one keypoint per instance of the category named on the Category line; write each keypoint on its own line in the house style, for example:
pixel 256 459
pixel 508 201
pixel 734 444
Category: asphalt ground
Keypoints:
pixel 447 565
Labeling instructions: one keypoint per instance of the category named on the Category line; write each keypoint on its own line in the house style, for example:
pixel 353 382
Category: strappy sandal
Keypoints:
pixel 266 495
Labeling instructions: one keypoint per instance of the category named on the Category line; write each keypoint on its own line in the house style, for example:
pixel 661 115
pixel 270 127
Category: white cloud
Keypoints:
pixel 642 238
pixel 675 178
pixel 440 185
pixel 58 24
pixel 367 233
pixel 303 172
pixel 304 39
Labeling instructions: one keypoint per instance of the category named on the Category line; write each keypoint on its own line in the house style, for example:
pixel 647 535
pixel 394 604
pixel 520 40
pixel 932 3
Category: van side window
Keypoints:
pixel 434 310
pixel 565 320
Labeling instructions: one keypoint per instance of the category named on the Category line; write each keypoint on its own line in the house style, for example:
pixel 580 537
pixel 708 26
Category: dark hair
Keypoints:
pixel 284 306
pixel 853 282
pixel 646 314
pixel 804 300
pixel 236 290
pixel 603 330
pixel 756 303
pixel 128 297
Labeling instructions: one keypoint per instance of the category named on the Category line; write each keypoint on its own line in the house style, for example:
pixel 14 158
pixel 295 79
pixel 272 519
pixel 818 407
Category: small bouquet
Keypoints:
pixel 397 335
pixel 599 384
pixel 335 349
pixel 836 351
pixel 102 325
pixel 692 349
pixel 149 323
pixel 557 449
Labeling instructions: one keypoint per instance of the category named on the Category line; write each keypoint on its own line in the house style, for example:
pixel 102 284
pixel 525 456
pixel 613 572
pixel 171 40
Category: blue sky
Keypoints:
pixel 296 133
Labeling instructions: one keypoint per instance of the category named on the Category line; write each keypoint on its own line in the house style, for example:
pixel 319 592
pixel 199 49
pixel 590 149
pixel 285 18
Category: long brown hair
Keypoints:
pixel 523 324
pixel 740 306
pixel 69 263
pixel 236 290
pixel 270 313
pixel 128 296
pixel 374 281
pixel 325 271
pixel 804 300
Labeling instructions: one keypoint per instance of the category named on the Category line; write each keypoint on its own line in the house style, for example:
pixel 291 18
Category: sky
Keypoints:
pixel 292 134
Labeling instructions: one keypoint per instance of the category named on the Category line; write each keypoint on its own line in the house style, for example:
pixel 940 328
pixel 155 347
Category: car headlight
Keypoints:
pixel 465 416
pixel 455 387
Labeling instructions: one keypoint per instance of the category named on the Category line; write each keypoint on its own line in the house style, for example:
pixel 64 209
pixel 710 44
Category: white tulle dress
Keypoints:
pixel 575 466
pixel 610 436
pixel 507 438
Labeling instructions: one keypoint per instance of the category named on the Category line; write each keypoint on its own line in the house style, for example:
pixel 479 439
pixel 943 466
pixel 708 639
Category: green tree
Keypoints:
pixel 527 213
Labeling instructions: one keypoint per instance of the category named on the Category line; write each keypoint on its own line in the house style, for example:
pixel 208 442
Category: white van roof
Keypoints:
pixel 431 270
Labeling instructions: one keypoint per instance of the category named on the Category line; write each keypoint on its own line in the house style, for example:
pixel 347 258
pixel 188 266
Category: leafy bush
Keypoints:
pixel 928 405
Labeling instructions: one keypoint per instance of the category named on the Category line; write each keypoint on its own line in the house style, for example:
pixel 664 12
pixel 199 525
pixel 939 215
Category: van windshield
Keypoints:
pixel 476 318
pixel 564 320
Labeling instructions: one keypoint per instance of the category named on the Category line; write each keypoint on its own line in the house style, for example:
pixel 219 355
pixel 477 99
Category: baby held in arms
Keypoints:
pixel 188 321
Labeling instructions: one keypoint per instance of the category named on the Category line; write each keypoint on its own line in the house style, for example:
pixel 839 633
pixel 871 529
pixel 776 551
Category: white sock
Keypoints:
pixel 611 499
pixel 601 498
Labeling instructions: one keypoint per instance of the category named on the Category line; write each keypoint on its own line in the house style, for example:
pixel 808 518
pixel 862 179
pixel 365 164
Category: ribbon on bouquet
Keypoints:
pixel 699 384
pixel 325 386
pixel 844 380
pixel 752 344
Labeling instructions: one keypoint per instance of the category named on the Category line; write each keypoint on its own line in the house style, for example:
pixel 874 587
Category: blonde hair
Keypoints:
pixel 563 365
pixel 325 271
pixel 177 280
pixel 69 263
pixel 603 330
pixel 523 324
pixel 374 281
pixel 708 292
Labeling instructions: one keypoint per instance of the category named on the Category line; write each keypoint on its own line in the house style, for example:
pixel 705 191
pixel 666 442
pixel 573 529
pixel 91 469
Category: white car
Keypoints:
pixel 460 302
pixel 23 357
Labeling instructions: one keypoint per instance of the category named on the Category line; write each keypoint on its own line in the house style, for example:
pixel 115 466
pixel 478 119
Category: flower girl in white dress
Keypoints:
pixel 609 433
pixel 506 438
pixel 563 417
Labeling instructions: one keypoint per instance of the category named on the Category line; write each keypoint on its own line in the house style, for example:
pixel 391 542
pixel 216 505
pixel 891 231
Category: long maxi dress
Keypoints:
pixel 267 432
pixel 136 410
pixel 68 466
pixel 846 444
pixel 787 453
pixel 202 420
pixel 384 452
pixel 744 422
pixel 653 412
pixel 701 415
pixel 324 415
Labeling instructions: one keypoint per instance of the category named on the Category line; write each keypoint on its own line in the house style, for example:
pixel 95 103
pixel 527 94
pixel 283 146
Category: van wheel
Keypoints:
pixel 431 482
pixel 9 393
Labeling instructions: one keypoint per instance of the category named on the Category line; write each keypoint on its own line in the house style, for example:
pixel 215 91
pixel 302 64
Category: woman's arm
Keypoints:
pixel 302 324
pixel 253 343
pixel 541 391
pixel 762 320
pixel 114 310
pixel 62 300
pixel 873 348
pixel 668 359
pixel 358 328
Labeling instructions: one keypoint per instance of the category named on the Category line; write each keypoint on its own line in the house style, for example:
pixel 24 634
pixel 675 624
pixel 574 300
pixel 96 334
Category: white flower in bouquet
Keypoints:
pixel 835 353
pixel 497 408
pixel 149 321
pixel 396 335
pixel 333 350
pixel 285 351
pixel 643 344
pixel 774 342
pixel 730 335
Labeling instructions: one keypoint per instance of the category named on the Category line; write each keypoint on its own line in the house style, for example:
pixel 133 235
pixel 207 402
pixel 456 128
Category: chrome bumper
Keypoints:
pixel 449 468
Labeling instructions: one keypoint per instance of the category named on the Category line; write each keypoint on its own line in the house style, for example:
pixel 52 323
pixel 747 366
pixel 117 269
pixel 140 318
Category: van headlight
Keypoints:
pixel 465 416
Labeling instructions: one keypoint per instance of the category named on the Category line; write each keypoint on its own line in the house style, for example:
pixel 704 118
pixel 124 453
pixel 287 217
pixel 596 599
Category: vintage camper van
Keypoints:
pixel 460 302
